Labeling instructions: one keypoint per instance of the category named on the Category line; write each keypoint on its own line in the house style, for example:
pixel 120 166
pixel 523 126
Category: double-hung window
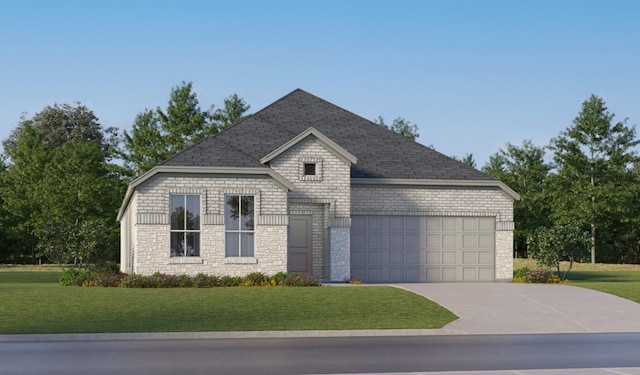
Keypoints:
pixel 239 225
pixel 185 225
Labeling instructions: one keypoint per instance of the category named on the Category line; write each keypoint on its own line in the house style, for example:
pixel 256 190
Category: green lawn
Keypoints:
pixel 622 280
pixel 32 302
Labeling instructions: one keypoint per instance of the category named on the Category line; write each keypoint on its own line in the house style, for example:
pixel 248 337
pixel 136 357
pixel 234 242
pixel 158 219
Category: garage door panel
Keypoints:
pixel 469 257
pixel 449 224
pixel 396 241
pixel 374 257
pixel 485 241
pixel 486 273
pixel 358 241
pixel 359 257
pixel 411 241
pixel 374 223
pixel 412 257
pixel 449 274
pixel 470 225
pixel 374 275
pixel 449 241
pixel 485 257
pixel 396 257
pixel 469 274
pixel 374 240
pixel 449 257
pixel 423 249
pixel 469 241
pixel 486 224
pixel 434 274
pixel 433 258
pixel 396 224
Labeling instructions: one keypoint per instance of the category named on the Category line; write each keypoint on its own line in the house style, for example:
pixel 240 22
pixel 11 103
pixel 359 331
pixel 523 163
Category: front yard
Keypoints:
pixel 33 302
pixel 622 280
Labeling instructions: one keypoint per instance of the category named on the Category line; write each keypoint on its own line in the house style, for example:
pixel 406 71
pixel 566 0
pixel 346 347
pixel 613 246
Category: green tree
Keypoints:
pixel 467 160
pixel 593 159
pixel 551 245
pixel 524 170
pixel 234 108
pixel 401 126
pixel 158 134
pixel 60 180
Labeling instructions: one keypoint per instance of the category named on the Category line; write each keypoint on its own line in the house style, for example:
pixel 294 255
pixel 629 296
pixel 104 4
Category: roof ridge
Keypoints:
pixel 260 118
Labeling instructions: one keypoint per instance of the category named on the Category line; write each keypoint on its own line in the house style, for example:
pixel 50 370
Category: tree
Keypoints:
pixel 551 245
pixel 466 160
pixel 58 174
pixel 234 108
pixel 159 134
pixel 400 126
pixel 524 170
pixel 592 160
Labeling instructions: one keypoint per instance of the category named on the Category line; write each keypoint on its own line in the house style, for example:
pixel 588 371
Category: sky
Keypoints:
pixel 473 75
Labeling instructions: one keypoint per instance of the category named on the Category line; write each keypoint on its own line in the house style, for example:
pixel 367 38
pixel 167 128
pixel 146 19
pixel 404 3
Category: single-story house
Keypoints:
pixel 306 186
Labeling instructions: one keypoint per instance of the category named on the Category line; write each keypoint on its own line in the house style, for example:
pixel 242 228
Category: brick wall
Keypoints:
pixel 151 225
pixel 327 197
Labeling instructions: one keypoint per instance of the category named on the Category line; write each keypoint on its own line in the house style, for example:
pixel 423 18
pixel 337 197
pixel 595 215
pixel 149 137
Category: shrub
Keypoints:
pixel 296 279
pixel 73 277
pixel 540 276
pixel 104 276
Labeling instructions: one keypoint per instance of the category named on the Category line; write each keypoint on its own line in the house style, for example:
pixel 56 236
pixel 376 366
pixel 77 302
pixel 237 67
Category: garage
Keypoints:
pixel 422 249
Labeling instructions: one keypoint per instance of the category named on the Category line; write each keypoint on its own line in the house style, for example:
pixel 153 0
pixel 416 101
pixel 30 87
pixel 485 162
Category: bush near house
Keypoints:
pixel 107 276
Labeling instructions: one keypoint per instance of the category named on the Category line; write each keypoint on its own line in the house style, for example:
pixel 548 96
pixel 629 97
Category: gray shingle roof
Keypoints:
pixel 381 153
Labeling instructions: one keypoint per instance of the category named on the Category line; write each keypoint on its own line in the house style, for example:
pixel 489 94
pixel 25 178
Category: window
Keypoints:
pixel 309 169
pixel 239 225
pixel 185 225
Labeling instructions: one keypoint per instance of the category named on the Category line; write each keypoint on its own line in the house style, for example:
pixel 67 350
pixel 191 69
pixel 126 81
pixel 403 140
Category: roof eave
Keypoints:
pixel 506 190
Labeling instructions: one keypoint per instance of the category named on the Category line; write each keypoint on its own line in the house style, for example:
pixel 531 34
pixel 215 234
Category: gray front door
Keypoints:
pixel 300 244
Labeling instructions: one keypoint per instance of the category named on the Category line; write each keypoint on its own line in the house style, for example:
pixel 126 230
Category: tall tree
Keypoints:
pixel 524 170
pixel 593 158
pixel 58 173
pixel 234 108
pixel 467 160
pixel 401 126
pixel 159 134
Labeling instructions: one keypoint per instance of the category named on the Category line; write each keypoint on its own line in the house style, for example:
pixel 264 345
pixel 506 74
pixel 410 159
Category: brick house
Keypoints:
pixel 306 186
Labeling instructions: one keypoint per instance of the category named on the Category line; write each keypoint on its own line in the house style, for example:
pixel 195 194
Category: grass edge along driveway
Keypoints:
pixel 32 302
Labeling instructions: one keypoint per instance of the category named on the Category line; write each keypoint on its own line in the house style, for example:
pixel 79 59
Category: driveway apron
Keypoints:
pixel 490 308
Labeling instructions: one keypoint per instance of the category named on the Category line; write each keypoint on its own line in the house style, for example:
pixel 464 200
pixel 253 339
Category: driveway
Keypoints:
pixel 489 308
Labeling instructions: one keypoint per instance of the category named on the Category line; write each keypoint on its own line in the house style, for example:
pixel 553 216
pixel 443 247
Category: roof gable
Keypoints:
pixel 327 143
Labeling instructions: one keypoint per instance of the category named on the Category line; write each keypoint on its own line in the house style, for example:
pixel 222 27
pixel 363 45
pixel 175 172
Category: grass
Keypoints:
pixel 622 280
pixel 32 302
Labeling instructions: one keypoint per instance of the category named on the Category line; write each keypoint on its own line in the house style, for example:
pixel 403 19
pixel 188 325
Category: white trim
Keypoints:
pixel 428 182
pixel 330 145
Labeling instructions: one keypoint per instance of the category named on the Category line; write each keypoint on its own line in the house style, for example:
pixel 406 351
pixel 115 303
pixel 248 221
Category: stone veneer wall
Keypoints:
pixel 440 201
pixel 330 190
pixel 151 225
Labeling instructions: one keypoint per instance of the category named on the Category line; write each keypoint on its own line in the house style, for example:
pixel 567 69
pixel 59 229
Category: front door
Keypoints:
pixel 300 244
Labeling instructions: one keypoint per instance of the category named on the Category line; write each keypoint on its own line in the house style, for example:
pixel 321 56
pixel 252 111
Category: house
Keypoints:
pixel 306 186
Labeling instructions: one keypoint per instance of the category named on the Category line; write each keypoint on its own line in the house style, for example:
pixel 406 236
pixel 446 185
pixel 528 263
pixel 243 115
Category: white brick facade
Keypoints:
pixel 330 197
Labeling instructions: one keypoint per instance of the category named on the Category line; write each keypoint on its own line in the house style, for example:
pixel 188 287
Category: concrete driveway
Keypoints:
pixel 489 308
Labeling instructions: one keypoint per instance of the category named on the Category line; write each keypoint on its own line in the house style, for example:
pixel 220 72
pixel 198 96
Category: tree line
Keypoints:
pixel 63 176
pixel 580 194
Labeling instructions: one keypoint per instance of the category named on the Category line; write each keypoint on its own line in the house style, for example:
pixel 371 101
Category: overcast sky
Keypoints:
pixel 473 75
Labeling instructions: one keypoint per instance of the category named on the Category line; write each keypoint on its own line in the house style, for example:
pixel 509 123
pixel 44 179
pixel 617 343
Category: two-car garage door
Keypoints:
pixel 422 248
